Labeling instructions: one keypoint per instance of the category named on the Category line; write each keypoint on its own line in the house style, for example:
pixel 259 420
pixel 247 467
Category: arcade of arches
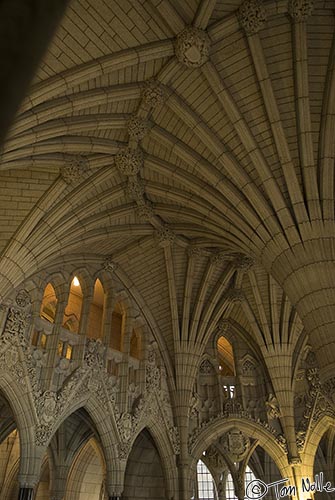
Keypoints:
pixel 167 248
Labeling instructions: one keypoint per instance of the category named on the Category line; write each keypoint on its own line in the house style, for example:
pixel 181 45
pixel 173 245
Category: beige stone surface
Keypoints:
pixel 191 144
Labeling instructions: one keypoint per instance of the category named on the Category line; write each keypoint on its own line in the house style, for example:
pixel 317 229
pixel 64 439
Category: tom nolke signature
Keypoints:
pixel 258 489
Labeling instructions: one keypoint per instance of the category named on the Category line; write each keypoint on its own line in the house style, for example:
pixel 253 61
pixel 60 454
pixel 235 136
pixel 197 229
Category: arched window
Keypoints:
pixel 96 312
pixel 117 328
pixel 49 304
pixel 226 357
pixel 248 477
pixel 74 305
pixel 135 345
pixel 205 488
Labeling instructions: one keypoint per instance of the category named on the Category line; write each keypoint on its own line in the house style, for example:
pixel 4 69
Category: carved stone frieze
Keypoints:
pixel 252 16
pixel 192 47
pixel 129 161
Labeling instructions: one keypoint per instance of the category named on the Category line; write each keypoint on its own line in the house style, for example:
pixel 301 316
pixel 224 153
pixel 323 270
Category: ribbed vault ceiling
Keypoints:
pixel 238 155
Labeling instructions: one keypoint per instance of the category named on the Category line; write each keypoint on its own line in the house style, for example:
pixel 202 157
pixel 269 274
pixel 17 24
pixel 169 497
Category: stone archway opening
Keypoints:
pixel 144 476
pixel 9 451
pixel 86 479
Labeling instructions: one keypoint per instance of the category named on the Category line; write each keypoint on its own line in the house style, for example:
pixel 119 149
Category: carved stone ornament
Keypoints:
pixel 272 407
pixel 74 169
pixel 233 407
pixel 175 439
pixel 23 299
pixel 300 10
pixel 165 236
pixel 252 16
pixel 94 354
pixel 16 323
pixel 236 444
pixel 194 251
pixel 129 161
pixel 125 426
pixel 135 188
pixel 218 258
pixel 47 407
pixel 244 263
pixel 145 212
pixel 223 326
pixel 152 372
pixel 137 128
pixel 110 265
pixel 153 94
pixel 206 367
pixel 235 296
pixel 248 367
pixel 192 47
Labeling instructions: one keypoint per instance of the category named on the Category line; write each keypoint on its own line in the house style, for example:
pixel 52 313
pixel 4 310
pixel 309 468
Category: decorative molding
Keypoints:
pixel 192 47
pixel 252 16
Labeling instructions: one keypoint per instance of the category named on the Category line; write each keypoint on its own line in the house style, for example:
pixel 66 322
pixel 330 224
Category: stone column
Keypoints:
pixel 26 494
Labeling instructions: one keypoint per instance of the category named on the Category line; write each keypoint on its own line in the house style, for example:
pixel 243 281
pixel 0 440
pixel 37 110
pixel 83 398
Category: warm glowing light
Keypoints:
pixel 75 281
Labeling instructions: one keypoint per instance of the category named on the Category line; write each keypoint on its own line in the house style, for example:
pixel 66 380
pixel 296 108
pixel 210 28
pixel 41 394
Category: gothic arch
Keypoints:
pixel 266 440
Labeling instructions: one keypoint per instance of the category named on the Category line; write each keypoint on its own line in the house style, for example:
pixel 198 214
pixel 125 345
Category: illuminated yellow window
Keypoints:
pixel 68 354
pixel 34 339
pixel 60 348
pixel 43 341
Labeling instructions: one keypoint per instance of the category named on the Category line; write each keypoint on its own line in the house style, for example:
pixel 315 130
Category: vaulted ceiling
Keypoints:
pixel 187 134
